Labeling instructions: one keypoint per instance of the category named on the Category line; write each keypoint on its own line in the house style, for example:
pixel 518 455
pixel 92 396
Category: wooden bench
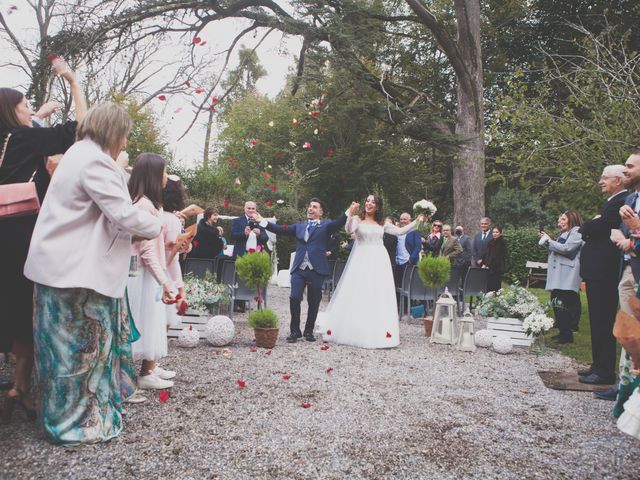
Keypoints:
pixel 537 272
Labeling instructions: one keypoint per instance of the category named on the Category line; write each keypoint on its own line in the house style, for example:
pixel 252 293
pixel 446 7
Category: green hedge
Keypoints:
pixel 522 246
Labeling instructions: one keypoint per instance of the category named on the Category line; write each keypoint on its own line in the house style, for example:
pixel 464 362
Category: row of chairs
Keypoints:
pixel 224 269
pixel 460 286
pixel 336 267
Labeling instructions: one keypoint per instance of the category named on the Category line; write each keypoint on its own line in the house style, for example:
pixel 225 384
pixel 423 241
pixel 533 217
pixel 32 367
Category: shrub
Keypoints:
pixel 434 271
pixel 254 269
pixel 522 246
pixel 264 318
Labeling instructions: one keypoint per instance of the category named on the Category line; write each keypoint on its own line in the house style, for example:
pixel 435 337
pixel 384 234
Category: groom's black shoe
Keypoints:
pixel 293 337
pixel 308 336
pixel 596 379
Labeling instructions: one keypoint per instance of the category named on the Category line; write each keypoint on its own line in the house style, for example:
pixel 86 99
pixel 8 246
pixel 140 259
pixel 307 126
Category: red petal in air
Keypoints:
pixel 162 98
pixel 254 142
pixel 266 175
pixel 306 405
pixel 324 347
pixel 225 203
pixel 241 383
pixel 268 203
pixel 197 40
pixel 321 104
pixel 190 327
pixel 187 84
pixel 52 56
pixel 199 90
pixel 215 99
pixel 274 188
pixel 330 152
pixel 212 108
pixel 203 44
pixel 235 165
pixel 252 250
pixel 268 352
pixel 328 332
pixel 163 396
pixel 388 335
pixel 286 376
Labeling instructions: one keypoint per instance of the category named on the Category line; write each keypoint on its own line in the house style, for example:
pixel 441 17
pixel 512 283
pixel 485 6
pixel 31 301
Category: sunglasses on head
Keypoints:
pixel 439 226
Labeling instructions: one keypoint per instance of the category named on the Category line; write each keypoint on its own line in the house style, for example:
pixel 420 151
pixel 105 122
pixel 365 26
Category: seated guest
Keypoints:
pixel 83 236
pixel 451 247
pixel 207 242
pixel 246 233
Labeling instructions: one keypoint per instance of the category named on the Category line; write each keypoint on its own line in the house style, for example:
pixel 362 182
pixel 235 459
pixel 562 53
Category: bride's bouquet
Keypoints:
pixel 424 207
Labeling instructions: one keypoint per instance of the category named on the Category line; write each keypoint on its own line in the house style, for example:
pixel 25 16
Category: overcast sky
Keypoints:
pixel 276 54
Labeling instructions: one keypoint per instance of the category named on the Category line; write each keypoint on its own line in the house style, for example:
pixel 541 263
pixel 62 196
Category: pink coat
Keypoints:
pixel 151 252
pixel 170 231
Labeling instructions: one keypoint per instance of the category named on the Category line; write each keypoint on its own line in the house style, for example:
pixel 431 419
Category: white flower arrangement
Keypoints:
pixel 424 207
pixel 537 323
pixel 513 302
pixel 201 293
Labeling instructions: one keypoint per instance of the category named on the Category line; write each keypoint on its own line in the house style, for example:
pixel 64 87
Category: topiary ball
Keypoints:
pixel 502 344
pixel 188 337
pixel 483 338
pixel 220 330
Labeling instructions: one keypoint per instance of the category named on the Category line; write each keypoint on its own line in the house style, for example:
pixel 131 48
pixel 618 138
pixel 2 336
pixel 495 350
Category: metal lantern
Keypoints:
pixel 466 341
pixel 445 319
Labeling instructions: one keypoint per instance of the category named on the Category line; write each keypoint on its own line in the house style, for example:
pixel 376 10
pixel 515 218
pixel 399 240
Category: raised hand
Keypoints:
pixel 353 208
pixel 257 217
pixel 48 109
pixel 61 68
pixel 421 218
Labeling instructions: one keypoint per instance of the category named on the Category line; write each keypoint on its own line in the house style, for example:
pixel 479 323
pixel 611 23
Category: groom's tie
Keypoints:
pixel 310 225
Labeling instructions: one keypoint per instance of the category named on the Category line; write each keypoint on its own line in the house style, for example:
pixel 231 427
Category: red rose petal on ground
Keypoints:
pixel 388 335
pixel 199 90
pixel 253 349
pixel 329 370
pixel 268 352
pixel 328 332
pixel 52 56
pixel 225 203
pixel 241 383
pixel 306 405
pixel 163 396
pixel 197 40
pixel 286 376
pixel 162 98
pixel 324 347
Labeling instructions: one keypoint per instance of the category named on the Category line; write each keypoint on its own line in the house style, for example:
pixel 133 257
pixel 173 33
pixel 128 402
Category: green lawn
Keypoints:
pixel 580 349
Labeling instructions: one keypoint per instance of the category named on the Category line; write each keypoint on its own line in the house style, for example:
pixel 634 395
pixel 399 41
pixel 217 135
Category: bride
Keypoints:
pixel 363 310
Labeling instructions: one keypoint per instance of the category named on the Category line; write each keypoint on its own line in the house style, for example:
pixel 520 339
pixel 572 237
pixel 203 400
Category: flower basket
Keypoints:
pixel 205 295
pixel 265 327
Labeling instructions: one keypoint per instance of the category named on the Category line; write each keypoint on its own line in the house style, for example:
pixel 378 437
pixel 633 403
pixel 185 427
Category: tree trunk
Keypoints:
pixel 468 168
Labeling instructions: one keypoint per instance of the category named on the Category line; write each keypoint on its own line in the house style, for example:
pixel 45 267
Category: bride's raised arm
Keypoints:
pixel 391 229
pixel 352 217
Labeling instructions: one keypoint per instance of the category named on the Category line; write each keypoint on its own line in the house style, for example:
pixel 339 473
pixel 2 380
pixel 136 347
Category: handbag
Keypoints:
pixel 18 199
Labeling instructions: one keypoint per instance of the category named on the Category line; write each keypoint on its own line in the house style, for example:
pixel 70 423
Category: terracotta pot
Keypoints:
pixel 266 337
pixel 428 326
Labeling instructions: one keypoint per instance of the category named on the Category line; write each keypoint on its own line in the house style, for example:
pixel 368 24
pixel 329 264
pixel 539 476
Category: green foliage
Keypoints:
pixel 517 208
pixel 522 246
pixel 254 269
pixel 264 318
pixel 434 271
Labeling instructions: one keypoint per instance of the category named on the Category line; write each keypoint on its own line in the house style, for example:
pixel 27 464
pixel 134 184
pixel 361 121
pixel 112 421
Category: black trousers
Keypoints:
pixel 567 308
pixel 602 298
pixel 494 281
pixel 313 282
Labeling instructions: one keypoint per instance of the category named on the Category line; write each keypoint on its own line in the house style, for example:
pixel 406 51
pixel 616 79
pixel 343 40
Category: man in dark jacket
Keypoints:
pixel 600 269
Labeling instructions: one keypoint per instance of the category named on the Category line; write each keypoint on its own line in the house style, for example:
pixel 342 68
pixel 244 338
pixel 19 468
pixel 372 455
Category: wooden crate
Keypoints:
pixel 198 320
pixel 510 327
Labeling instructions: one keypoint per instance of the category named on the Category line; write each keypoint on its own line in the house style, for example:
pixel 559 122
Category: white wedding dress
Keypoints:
pixel 363 311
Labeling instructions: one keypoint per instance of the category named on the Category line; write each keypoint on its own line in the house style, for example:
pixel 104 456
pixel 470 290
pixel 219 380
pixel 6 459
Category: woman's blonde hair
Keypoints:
pixel 107 124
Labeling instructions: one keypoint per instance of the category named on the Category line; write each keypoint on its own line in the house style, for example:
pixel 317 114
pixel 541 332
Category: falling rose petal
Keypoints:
pixel 274 188
pixel 330 152
pixel 321 104
pixel 286 376
pixel 256 298
pixel 241 383
pixel 235 165
pixel 268 203
pixel 197 40
pixel 314 114
pixel 187 84
pixel 328 332
pixel 237 181
pixel 271 124
pixel 212 108
pixel 388 335
pixel 252 250
pixel 306 145
pixel 266 175
pixel 162 98
pixel 12 9
pixel 306 405
pixel 52 56
pixel 268 352
pixel 215 99
pixel 199 90
pixel 163 396
pixel 177 110
pixel 329 370
pixel 225 203
pixel 202 44
pixel 253 349
pixel 190 327
pixel 324 347
pixel 254 142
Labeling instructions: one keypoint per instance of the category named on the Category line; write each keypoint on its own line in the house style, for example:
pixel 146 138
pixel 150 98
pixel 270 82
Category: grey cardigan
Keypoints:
pixel 563 273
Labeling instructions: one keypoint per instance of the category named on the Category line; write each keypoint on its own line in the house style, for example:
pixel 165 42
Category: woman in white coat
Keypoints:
pixel 563 274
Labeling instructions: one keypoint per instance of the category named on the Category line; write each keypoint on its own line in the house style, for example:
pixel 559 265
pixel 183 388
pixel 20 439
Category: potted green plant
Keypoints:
pixel 434 272
pixel 254 269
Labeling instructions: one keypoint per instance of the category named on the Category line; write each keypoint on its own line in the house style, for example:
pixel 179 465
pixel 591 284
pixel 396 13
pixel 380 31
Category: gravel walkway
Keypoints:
pixel 417 411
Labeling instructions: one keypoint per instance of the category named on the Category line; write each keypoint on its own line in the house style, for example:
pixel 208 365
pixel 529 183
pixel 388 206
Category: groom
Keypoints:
pixel 310 266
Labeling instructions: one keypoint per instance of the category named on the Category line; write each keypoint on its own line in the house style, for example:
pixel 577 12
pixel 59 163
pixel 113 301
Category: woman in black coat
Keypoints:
pixel 24 150
pixel 207 242
pixel 495 259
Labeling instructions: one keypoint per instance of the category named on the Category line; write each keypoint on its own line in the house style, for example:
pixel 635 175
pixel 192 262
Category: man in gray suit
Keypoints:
pixel 480 242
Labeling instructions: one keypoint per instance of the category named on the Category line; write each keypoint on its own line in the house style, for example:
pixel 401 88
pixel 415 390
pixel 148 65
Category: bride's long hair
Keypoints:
pixel 378 216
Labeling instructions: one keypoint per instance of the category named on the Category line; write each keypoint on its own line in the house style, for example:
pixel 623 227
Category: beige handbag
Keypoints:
pixel 18 199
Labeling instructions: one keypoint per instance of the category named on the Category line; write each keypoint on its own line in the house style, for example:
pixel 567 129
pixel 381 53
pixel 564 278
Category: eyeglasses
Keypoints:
pixel 439 226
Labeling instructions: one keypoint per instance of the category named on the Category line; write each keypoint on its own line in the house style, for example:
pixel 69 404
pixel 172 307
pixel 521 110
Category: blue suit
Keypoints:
pixel 240 239
pixel 413 244
pixel 316 247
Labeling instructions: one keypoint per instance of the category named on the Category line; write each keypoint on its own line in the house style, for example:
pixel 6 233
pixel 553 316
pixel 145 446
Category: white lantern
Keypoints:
pixel 188 337
pixel 220 330
pixel 465 336
pixel 445 320
pixel 483 338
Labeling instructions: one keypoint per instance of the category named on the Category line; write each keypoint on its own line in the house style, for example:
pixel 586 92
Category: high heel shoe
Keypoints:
pixel 10 402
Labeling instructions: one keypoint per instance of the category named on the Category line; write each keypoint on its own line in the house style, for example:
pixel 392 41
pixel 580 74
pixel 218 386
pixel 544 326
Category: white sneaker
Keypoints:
pixel 163 374
pixel 153 382
pixel 137 397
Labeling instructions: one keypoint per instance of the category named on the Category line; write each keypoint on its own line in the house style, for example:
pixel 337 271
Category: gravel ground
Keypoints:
pixel 417 411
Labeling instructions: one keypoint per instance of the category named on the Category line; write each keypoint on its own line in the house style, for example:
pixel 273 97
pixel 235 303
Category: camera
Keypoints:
pixel 252 224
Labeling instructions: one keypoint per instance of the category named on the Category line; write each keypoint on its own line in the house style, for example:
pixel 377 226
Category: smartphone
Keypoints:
pixel 541 227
